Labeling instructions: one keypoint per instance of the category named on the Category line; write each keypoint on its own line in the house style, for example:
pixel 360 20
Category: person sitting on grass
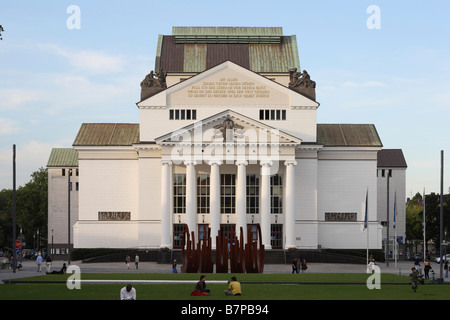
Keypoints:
pixel 200 288
pixel 62 271
pixel 128 293
pixel 234 288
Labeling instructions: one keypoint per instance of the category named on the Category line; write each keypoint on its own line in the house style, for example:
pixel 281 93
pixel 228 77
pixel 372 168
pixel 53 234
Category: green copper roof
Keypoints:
pixel 63 157
pixel 196 49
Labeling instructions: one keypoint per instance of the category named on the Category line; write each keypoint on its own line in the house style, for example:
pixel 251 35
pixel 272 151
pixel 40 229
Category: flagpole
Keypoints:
pixel 366 225
pixel 395 229
pixel 424 225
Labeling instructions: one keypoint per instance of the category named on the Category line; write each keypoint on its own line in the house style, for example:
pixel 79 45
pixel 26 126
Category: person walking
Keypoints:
pixel 127 261
pixel 304 266
pixel 39 261
pixel 48 263
pixel 426 268
pixel 295 265
pixel 234 288
pixel 136 261
pixel 414 277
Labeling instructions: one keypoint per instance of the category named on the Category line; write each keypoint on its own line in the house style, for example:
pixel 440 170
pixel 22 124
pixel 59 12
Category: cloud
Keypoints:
pixel 12 98
pixel 87 60
pixel 8 126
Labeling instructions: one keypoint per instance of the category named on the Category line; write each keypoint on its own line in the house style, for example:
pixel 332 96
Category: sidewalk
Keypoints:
pixel 29 268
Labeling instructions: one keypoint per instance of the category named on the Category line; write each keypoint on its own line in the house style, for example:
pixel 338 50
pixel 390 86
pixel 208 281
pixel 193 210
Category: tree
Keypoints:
pixel 414 229
pixel 1 30
pixel 31 210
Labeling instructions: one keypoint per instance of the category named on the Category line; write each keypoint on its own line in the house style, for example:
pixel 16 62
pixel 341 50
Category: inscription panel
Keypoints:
pixel 230 88
pixel 114 216
pixel 341 216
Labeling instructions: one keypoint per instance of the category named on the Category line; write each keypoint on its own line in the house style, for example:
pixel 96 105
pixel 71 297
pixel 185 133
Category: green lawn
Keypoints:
pixel 287 291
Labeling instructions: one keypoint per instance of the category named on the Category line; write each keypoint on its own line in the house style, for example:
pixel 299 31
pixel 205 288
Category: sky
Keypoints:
pixel 64 63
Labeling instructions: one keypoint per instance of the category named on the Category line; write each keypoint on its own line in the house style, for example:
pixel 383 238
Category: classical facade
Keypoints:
pixel 227 138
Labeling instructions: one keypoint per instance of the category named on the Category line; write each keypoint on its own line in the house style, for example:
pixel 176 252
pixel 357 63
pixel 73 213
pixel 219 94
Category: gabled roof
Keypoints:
pixel 391 158
pixel 238 118
pixel 195 49
pixel 63 157
pixel 348 135
pixel 107 134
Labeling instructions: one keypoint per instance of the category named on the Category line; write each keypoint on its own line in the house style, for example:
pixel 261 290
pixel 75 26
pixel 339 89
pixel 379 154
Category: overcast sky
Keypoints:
pixel 380 62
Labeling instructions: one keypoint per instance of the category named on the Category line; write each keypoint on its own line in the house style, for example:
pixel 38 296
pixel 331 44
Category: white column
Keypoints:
pixel 214 200
pixel 241 198
pixel 191 199
pixel 264 203
pixel 165 204
pixel 289 221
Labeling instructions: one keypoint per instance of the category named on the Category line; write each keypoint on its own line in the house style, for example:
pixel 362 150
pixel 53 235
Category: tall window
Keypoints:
pixel 179 193
pixel 276 194
pixel 227 230
pixel 178 231
pixel 228 193
pixel 276 236
pixel 203 193
pixel 253 193
pixel 202 231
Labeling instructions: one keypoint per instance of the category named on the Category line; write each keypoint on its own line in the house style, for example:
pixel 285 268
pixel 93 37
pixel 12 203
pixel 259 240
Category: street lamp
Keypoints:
pixel 69 187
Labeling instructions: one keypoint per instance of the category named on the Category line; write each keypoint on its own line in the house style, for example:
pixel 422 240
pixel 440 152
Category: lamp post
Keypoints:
pixel 14 264
pixel 69 187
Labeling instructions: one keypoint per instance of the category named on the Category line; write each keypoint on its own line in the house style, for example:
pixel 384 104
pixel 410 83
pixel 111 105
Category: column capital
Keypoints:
pixel 188 162
pixel 239 162
pixel 267 163
pixel 168 162
pixel 211 162
pixel 289 162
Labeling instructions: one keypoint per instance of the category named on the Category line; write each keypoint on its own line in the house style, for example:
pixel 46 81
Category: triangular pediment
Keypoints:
pixel 228 127
pixel 228 84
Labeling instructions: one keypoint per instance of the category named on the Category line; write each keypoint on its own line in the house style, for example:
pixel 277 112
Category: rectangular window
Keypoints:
pixel 254 231
pixel 183 114
pixel 272 114
pixel 194 114
pixel 252 194
pixel 63 172
pixel 276 236
pixel 170 114
pixel 203 193
pixel 178 235
pixel 179 193
pixel 203 231
pixel 228 193
pixel 177 114
pixel 276 194
pixel 227 230
pixel 188 114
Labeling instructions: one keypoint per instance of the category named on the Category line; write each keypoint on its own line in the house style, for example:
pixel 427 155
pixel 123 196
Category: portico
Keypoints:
pixel 231 181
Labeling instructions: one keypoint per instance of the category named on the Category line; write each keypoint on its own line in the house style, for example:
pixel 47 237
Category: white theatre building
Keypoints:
pixel 227 138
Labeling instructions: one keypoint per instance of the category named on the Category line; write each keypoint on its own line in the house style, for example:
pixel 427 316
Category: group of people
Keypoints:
pixel 136 261
pixel 234 289
pixel 298 265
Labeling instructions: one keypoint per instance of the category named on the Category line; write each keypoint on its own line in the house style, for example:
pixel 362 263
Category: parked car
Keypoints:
pixel 446 257
pixel 416 256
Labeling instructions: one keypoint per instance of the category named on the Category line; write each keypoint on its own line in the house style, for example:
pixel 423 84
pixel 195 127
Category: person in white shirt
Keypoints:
pixel 128 293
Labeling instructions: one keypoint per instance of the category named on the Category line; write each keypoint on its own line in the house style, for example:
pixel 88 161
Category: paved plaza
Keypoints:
pixel 29 268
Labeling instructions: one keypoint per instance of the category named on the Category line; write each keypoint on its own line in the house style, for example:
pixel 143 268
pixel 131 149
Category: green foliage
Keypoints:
pixel 31 210
pixel 1 30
